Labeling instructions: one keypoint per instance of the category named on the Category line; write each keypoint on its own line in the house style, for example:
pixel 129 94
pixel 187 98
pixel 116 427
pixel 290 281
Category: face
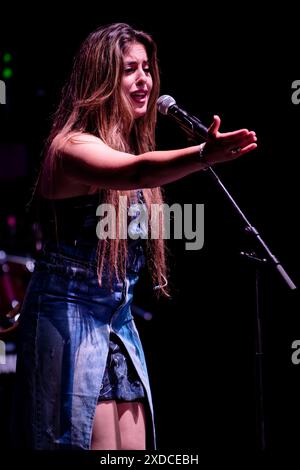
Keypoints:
pixel 136 78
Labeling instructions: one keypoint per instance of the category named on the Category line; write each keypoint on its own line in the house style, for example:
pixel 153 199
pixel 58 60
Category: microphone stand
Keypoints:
pixel 271 259
pixel 195 130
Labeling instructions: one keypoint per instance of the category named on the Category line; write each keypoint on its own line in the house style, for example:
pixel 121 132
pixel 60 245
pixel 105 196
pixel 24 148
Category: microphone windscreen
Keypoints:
pixel 164 102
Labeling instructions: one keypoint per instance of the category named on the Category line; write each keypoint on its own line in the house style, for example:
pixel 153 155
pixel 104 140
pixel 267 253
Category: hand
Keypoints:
pixel 223 147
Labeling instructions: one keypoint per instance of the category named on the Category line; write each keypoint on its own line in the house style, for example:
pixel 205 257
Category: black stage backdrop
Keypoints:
pixel 200 345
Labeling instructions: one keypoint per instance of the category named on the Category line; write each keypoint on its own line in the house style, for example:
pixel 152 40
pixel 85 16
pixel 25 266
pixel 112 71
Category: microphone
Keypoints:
pixel 190 124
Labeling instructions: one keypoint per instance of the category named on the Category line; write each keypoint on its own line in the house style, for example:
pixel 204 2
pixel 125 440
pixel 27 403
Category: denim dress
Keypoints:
pixel 69 326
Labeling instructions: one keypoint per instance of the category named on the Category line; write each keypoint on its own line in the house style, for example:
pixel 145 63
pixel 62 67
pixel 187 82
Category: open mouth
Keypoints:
pixel 139 96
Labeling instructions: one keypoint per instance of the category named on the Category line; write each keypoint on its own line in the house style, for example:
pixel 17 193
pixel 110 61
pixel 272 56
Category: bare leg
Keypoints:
pixel 132 425
pixel 106 433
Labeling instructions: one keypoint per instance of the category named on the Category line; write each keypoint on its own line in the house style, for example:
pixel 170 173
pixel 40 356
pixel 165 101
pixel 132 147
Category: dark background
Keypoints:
pixel 201 344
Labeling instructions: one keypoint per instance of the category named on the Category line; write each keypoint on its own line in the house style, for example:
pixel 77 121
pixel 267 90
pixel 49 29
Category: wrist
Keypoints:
pixel 205 163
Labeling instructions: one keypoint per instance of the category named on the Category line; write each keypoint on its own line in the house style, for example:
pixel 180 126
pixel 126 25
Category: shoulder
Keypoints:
pixel 62 141
pixel 55 182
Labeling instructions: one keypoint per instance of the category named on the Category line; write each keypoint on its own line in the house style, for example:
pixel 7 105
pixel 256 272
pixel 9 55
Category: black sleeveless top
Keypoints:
pixel 70 222
pixel 70 219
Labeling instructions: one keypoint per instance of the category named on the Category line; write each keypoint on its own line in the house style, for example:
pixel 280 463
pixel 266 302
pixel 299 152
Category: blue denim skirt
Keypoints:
pixel 78 344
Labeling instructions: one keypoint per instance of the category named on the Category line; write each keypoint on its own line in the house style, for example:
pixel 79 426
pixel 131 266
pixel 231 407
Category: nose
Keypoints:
pixel 141 76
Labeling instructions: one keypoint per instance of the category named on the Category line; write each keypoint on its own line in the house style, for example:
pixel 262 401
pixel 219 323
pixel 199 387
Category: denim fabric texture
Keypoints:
pixel 69 328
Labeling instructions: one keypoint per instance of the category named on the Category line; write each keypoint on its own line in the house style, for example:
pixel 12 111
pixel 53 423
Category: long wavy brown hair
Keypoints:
pixel 92 102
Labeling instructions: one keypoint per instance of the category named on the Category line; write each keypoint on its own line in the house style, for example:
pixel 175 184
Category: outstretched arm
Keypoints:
pixel 220 147
pixel 88 160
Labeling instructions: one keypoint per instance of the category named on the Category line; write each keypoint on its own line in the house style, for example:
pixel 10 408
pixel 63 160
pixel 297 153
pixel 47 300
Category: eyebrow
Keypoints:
pixel 133 62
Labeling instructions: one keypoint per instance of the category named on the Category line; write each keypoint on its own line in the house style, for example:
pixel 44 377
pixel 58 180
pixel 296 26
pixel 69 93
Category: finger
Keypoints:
pixel 238 138
pixel 215 126
pixel 248 148
pixel 243 150
pixel 242 142
pixel 235 134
